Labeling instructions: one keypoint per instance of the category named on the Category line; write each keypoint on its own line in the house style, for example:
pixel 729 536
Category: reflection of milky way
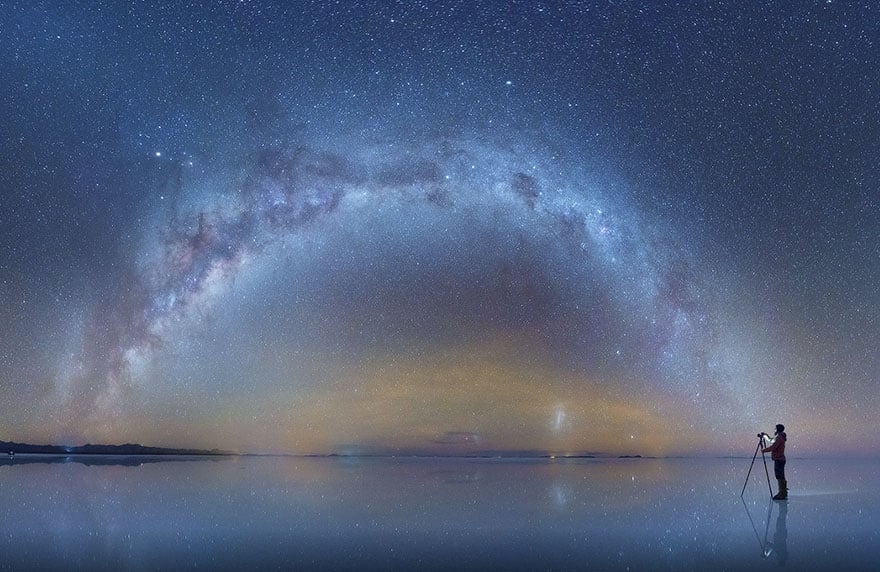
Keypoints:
pixel 629 288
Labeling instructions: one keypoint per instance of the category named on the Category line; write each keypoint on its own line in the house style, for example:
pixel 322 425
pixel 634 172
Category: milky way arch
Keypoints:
pixel 646 275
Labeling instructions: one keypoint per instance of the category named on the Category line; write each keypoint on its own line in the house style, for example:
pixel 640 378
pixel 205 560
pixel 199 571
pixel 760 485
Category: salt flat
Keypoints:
pixel 357 513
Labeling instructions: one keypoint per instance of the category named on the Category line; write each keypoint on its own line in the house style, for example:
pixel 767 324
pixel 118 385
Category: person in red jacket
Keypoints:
pixel 776 448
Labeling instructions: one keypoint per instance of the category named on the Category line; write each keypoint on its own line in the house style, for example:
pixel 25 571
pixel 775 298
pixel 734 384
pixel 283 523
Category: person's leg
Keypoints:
pixel 779 472
pixel 784 481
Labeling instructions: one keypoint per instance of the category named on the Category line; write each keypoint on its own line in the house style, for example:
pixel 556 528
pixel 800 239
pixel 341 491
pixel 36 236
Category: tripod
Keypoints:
pixel 758 448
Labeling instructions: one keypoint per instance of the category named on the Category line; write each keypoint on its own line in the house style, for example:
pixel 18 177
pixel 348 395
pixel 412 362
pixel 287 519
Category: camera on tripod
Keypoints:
pixel 761 437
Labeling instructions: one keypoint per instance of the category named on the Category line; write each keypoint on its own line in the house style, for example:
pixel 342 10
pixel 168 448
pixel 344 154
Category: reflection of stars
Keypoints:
pixel 560 494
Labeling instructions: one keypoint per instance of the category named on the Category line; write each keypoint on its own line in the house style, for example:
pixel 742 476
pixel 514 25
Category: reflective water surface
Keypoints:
pixel 307 513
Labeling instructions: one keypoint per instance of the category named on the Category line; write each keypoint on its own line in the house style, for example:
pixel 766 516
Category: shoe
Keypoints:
pixel 783 490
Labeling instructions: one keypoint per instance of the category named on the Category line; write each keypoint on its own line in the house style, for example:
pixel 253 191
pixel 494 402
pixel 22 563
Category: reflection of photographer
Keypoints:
pixel 779 546
pixel 776 447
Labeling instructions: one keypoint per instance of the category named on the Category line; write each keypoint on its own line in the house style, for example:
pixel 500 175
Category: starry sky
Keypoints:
pixel 441 227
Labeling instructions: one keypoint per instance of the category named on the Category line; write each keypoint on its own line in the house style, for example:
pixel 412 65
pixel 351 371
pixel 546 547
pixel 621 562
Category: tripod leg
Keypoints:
pixel 752 521
pixel 750 469
pixel 769 488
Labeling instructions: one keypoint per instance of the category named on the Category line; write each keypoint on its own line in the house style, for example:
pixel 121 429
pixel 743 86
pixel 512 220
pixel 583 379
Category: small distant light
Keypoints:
pixel 158 153
pixel 508 82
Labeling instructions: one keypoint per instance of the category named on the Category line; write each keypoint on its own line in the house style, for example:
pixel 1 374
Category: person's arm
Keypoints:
pixel 771 444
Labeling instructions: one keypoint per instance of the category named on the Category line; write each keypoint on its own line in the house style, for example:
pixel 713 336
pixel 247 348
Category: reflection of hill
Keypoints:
pixel 103 460
pixel 127 449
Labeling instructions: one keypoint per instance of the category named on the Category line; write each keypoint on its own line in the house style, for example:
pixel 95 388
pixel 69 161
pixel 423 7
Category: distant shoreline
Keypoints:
pixel 144 452
pixel 11 448
pixel 138 450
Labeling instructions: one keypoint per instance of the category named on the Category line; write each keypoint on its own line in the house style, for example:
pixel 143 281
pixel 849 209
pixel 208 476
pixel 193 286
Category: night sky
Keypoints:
pixel 441 227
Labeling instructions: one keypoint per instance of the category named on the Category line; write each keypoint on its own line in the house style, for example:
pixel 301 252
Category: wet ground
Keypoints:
pixel 583 514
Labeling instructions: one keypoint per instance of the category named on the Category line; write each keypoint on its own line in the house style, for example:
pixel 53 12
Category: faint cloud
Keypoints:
pixel 458 438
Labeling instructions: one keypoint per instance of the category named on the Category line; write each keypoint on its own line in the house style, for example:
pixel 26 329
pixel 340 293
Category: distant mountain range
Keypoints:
pixel 7 447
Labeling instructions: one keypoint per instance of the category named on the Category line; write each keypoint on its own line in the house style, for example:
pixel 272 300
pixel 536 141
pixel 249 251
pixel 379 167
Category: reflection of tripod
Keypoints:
pixel 766 550
pixel 779 546
pixel 758 448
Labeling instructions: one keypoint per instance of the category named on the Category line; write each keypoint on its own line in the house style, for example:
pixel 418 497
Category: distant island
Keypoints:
pixel 12 448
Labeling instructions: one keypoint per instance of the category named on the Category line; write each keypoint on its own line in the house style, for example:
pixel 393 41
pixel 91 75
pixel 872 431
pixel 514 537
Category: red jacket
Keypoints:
pixel 777 447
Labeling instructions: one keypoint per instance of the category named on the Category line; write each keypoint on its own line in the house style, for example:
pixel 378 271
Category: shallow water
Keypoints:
pixel 307 513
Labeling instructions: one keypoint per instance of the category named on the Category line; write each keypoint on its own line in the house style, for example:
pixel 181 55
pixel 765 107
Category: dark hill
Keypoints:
pixel 7 447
